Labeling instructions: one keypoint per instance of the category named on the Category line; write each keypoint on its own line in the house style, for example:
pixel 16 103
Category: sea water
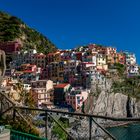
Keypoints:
pixel 127 132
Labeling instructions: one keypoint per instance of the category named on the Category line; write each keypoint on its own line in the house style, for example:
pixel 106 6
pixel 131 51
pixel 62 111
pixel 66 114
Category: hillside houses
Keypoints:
pixel 87 67
pixel 67 65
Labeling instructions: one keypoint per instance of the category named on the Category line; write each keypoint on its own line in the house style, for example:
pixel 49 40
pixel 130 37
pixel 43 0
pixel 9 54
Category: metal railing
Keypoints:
pixel 16 135
pixel 91 122
pixel 84 126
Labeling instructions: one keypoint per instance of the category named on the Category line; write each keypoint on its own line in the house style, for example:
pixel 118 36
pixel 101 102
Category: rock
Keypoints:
pixel 116 105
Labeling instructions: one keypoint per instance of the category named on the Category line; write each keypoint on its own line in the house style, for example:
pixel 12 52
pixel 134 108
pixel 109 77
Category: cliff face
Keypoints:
pixel 116 105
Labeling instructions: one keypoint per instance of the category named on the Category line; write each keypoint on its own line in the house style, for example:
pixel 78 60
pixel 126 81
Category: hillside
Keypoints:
pixel 13 28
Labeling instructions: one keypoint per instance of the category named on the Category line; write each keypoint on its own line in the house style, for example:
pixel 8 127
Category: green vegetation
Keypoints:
pixel 128 86
pixel 120 68
pixel 19 125
pixel 12 28
pixel 59 132
pixel 29 100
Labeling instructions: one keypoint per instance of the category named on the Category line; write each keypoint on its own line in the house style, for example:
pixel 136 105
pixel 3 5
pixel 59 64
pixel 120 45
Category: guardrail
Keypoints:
pixel 90 119
pixel 16 135
pixel 85 126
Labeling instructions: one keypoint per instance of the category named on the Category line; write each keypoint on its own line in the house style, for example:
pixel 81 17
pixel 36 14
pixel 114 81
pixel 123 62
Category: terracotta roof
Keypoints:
pixel 61 85
pixel 53 53
pixel 40 54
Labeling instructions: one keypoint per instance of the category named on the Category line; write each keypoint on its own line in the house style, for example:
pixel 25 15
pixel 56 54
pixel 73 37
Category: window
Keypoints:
pixel 39 96
pixel 78 98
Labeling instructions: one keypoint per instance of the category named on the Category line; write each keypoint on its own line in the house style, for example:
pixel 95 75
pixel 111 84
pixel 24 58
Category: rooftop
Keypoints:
pixel 61 85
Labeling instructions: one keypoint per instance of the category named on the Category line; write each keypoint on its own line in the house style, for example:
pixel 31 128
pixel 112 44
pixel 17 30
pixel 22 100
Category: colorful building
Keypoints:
pixel 121 58
pixel 54 57
pixel 130 58
pixel 111 50
pixel 40 60
pixel 112 58
pixel 75 98
pixel 41 91
pixel 10 47
pixel 132 70
pixel 60 91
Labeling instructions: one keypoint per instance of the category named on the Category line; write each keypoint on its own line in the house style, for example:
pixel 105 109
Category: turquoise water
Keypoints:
pixel 129 132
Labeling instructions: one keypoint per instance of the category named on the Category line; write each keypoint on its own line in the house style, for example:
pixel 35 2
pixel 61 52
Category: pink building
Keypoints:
pixel 110 50
pixel 45 73
pixel 10 47
pixel 121 58
pixel 76 98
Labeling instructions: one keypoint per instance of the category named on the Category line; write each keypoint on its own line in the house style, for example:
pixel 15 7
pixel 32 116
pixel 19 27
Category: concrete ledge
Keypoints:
pixel 5 135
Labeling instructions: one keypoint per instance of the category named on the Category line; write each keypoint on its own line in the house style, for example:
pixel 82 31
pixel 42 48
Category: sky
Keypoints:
pixel 71 23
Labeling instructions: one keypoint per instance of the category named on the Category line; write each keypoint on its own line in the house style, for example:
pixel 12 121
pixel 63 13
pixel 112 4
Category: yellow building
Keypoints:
pixel 112 58
pixel 54 57
pixel 56 70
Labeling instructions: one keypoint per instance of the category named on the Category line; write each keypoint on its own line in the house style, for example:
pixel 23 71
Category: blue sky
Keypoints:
pixel 70 23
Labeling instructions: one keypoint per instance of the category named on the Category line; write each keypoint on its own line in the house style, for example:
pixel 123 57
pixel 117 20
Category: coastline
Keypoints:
pixel 117 124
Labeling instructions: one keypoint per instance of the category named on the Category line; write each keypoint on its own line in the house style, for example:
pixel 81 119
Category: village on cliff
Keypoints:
pixel 65 77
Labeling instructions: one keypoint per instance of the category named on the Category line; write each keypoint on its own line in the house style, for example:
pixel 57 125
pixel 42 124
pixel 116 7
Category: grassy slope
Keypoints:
pixel 12 28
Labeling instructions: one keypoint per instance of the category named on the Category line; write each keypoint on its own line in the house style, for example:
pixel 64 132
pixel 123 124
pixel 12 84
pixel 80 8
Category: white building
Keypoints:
pixel 130 58
pixel 132 70
pixel 27 87
pixel 101 59
pixel 95 79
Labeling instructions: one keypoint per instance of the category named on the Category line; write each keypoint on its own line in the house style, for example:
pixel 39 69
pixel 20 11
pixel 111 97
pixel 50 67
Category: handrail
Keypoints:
pixel 48 111
pixel 18 133
pixel 104 129
pixel 61 127
pixel 81 114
